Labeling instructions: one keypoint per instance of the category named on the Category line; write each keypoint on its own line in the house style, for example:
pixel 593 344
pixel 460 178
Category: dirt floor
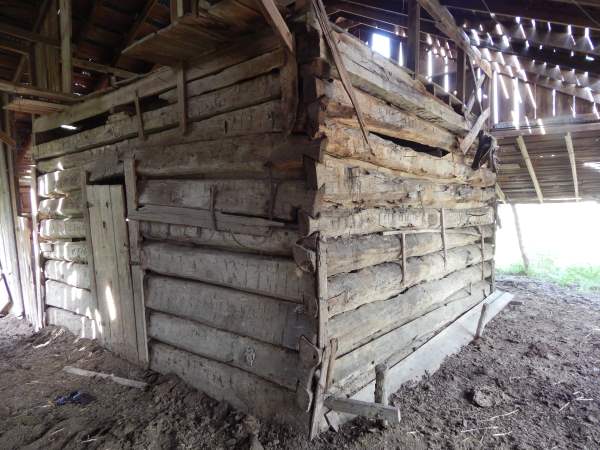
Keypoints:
pixel 532 381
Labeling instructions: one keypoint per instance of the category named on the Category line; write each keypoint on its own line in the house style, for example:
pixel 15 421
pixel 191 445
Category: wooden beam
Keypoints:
pixel 525 153
pixel 445 22
pixel 364 409
pixel 133 31
pixel 548 129
pixel 102 68
pixel 66 30
pixel 466 143
pixel 461 78
pixel 414 34
pixel 19 89
pixel 571 151
pixel 7 140
pixel 275 20
pixel 28 35
pixel 520 237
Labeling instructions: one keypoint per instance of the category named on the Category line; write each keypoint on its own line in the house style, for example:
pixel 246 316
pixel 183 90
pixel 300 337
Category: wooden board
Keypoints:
pixel 65 251
pixel 271 276
pixel 430 356
pixel 59 183
pixel 62 207
pixel 72 299
pixel 242 390
pixel 73 274
pixel 239 312
pixel 270 362
pixel 80 326
pixel 62 229
pixel 111 269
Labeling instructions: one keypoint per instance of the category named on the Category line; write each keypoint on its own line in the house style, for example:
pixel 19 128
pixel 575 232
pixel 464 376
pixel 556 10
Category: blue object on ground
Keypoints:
pixel 78 397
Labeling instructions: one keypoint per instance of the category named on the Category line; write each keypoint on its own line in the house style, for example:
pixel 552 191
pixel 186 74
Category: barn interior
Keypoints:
pixel 290 205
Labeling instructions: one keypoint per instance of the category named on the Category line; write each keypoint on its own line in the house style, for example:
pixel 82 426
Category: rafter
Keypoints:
pixel 527 159
pixel 571 151
pixel 536 9
pixel 14 88
pixel 28 35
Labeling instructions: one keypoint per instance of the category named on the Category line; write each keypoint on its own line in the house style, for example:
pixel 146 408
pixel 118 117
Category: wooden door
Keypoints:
pixel 110 250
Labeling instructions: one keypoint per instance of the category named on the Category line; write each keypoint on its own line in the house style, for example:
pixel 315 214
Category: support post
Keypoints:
pixel 571 151
pixel 414 35
pixel 461 79
pixel 65 45
pixel 527 159
pixel 520 238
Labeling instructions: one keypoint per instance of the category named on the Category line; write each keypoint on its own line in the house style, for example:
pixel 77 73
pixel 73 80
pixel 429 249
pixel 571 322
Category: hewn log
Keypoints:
pixel 65 251
pixel 59 183
pixel 258 156
pixel 357 252
pixel 231 310
pixel 62 207
pixel 351 290
pixel 355 327
pixel 267 361
pixel 279 242
pixel 355 369
pixel 244 391
pixel 272 276
pixel 347 142
pixel 223 112
pixel 106 153
pixel 381 117
pixel 347 184
pixel 262 198
pixel 70 298
pixel 77 324
pixel 378 220
pixel 62 229
pixel 380 77
pixel 73 274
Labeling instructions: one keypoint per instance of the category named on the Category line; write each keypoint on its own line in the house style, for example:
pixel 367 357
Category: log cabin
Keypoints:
pixel 251 195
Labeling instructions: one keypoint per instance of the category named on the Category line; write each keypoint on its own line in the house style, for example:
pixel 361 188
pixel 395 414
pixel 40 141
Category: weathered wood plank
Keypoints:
pixel 240 157
pixel 59 183
pixel 355 369
pixel 239 312
pixel 62 207
pixel 73 274
pixel 260 198
pixel 62 229
pixel 351 290
pixel 106 153
pixel 347 142
pixel 279 242
pixel 355 327
pixel 70 298
pixel 270 362
pixel 429 357
pixel 263 275
pixel 379 219
pixel 242 390
pixel 79 325
pixel 348 184
pixel 65 251
pixel 351 253
pixel 381 117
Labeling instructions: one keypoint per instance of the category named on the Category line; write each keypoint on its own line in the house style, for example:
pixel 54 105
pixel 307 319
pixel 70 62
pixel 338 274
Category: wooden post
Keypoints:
pixel 414 36
pixel 443 227
pixel 37 263
pixel 381 395
pixel 181 99
pixel 571 152
pixel 527 159
pixel 461 79
pixel 65 46
pixel 395 50
pixel 520 238
pixel 480 324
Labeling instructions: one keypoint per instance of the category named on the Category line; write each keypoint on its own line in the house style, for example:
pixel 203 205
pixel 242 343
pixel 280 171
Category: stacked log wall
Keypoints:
pixel 407 224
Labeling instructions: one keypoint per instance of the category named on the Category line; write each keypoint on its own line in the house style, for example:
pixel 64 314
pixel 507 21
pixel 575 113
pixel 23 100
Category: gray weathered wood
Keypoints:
pixel 65 251
pixel 62 229
pixel 59 183
pixel 79 325
pixel 267 361
pixel 379 219
pixel 365 409
pixel 241 389
pixel 239 312
pixel 351 290
pixel 278 242
pixel 272 276
pixel 73 274
pixel 62 207
pixel 70 298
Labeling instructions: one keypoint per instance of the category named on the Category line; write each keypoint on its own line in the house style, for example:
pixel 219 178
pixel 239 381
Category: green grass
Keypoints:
pixel 583 277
